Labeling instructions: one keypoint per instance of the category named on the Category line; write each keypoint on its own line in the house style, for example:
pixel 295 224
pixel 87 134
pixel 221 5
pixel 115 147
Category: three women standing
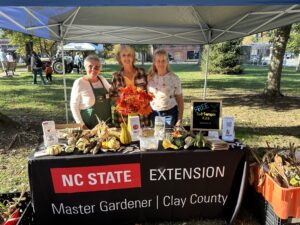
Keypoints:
pixel 91 94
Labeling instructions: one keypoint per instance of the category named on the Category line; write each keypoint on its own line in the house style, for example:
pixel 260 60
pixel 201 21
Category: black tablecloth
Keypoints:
pixel 116 188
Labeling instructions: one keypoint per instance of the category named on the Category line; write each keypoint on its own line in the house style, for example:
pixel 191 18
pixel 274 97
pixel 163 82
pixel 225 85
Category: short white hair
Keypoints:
pixel 92 58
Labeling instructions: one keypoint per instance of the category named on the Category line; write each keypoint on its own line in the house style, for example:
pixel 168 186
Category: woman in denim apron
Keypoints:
pixel 89 96
pixel 166 87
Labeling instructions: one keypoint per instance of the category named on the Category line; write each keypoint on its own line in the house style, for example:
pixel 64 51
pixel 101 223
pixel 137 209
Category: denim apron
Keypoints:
pixel 101 108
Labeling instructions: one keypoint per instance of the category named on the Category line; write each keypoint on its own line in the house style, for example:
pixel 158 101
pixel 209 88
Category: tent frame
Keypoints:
pixel 65 26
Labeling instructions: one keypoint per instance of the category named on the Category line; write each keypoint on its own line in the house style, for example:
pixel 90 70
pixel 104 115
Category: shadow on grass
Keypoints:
pixel 258 100
pixel 293 131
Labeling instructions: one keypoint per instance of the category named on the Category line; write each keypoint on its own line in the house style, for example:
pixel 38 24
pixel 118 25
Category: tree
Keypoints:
pixel 40 45
pixel 143 49
pixel 108 50
pixel 280 41
pixel 294 42
pixel 224 57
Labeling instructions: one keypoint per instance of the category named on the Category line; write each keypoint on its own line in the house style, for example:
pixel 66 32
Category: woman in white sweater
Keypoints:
pixel 89 96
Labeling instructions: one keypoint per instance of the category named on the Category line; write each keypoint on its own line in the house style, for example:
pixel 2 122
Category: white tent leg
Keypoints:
pixel 206 72
pixel 64 77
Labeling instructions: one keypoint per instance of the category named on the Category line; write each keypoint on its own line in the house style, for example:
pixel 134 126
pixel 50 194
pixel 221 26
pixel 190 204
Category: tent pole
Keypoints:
pixel 206 71
pixel 64 77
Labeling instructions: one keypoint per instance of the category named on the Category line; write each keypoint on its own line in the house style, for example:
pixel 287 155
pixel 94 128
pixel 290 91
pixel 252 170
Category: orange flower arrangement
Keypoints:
pixel 134 100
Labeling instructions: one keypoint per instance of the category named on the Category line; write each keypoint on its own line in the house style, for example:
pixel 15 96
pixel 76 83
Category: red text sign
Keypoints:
pixel 96 178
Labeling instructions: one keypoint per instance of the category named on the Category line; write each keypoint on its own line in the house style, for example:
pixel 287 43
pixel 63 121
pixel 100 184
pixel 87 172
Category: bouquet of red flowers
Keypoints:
pixel 134 100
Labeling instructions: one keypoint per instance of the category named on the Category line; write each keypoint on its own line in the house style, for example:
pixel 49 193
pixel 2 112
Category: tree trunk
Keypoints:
pixel 143 58
pixel 298 66
pixel 281 38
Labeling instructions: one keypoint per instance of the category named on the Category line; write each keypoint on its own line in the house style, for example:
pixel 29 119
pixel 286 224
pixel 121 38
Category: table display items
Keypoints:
pixel 50 137
pixel 159 127
pixel 228 128
pixel 280 163
pixel 148 140
pixel 179 138
pixel 132 101
pixel 134 126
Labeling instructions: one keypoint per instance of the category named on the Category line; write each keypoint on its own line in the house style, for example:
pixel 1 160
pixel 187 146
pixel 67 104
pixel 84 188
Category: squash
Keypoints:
pixel 189 141
pixel 54 150
pixel 167 144
pixel 125 136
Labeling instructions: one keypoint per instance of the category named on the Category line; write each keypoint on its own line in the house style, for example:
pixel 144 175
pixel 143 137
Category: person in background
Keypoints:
pixel 10 57
pixel 166 87
pixel 128 75
pixel 3 59
pixel 48 71
pixel 89 96
pixel 78 62
pixel 36 66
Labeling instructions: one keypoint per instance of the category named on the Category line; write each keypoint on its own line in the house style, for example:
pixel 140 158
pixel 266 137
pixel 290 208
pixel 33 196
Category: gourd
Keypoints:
pixel 199 140
pixel 69 148
pixel 189 141
pixel 82 143
pixel 167 144
pixel 179 142
pixel 54 150
pixel 125 136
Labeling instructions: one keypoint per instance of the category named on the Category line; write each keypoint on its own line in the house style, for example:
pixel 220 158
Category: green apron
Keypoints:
pixel 101 108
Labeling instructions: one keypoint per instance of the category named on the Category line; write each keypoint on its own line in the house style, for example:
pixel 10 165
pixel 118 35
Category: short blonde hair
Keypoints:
pixel 156 53
pixel 130 49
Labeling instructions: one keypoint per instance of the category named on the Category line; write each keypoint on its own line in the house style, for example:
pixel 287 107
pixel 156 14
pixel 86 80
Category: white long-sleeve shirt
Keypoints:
pixel 82 96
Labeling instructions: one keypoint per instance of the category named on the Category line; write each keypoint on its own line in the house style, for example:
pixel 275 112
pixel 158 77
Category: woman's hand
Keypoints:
pixel 178 123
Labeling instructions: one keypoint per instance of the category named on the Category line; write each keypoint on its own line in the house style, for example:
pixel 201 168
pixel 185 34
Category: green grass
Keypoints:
pixel 256 121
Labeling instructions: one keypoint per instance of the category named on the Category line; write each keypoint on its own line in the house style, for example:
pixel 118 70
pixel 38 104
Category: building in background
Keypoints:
pixel 182 53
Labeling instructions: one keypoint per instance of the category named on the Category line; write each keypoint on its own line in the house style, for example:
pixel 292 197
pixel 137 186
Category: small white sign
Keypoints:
pixel 228 129
pixel 159 127
pixel 134 127
pixel 50 136
pixel 213 135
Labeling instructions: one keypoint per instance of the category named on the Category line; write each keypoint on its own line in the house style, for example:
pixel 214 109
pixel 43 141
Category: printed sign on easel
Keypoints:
pixel 206 115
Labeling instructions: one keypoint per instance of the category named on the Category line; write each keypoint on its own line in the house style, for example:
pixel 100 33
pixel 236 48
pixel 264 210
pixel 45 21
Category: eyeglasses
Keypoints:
pixel 91 67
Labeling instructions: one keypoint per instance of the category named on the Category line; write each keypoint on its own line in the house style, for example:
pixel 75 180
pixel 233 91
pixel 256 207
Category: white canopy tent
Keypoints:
pixel 146 22
pixel 80 47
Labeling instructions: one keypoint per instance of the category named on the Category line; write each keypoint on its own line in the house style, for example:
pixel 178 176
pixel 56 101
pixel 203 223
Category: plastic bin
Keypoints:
pixel 265 212
pixel 284 201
